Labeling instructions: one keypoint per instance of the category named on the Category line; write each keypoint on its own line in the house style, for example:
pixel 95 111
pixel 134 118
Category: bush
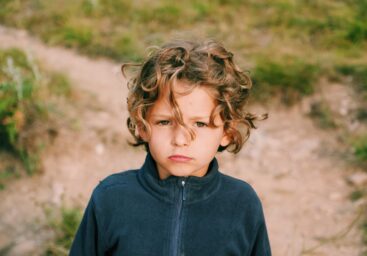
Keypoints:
pixel 17 104
pixel 25 107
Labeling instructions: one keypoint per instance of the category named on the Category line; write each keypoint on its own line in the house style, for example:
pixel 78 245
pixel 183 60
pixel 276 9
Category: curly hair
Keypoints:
pixel 206 64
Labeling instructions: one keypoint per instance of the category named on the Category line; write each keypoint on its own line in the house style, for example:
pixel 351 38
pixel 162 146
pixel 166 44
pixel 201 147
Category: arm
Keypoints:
pixel 88 240
pixel 261 245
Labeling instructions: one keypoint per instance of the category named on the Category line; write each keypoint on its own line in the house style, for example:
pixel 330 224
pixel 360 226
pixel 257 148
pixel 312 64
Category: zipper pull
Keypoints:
pixel 183 182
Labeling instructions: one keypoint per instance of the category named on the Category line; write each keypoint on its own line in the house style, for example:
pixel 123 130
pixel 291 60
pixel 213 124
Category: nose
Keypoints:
pixel 181 137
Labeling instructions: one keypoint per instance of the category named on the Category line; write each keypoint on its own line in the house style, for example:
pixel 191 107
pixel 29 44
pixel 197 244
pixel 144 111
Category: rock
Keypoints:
pixel 5 244
pixel 57 193
pixel 25 247
pixel 335 196
pixel 357 179
pixel 100 149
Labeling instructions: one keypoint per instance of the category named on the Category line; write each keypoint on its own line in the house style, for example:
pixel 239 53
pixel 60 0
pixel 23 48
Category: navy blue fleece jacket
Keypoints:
pixel 134 213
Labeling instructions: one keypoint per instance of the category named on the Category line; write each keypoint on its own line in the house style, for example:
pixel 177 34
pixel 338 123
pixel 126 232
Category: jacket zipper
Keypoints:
pixel 182 198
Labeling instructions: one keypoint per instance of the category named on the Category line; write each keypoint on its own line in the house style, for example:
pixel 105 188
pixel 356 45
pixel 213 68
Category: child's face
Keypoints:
pixel 171 145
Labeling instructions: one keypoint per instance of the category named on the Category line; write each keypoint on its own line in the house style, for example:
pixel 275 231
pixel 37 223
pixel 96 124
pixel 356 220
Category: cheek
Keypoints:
pixel 159 135
pixel 213 137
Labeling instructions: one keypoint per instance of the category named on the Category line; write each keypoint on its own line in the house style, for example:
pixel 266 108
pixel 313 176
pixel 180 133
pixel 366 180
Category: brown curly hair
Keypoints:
pixel 206 64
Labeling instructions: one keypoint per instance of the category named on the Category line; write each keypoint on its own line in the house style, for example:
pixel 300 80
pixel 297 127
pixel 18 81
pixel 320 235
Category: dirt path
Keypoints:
pixel 294 166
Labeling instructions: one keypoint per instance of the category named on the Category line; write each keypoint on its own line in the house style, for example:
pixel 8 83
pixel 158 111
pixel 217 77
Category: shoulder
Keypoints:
pixel 241 191
pixel 236 185
pixel 115 182
pixel 118 179
pixel 241 194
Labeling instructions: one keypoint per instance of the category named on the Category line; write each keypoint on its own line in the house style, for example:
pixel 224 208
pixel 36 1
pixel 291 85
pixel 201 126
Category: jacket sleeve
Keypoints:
pixel 88 240
pixel 261 245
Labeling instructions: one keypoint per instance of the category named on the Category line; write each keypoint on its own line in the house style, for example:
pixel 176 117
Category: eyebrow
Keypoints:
pixel 170 116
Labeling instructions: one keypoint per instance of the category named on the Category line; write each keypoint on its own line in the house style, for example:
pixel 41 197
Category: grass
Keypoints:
pixel 360 152
pixel 327 24
pixel 17 101
pixel 122 30
pixel 363 226
pixel 84 23
pixel 7 173
pixel 360 149
pixel 291 77
pixel 364 231
pixel 357 74
pixel 322 115
pixel 357 194
pixel 64 225
pixel 27 111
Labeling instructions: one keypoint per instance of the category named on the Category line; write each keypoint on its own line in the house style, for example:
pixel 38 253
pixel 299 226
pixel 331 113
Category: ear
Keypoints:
pixel 225 140
pixel 142 132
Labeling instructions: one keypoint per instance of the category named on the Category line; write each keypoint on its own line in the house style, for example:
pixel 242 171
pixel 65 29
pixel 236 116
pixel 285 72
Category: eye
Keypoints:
pixel 201 124
pixel 163 122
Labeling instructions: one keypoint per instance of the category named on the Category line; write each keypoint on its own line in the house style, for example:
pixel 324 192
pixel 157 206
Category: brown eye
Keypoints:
pixel 163 122
pixel 201 124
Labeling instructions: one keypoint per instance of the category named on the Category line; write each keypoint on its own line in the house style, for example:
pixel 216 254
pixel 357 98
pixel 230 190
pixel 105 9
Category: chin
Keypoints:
pixel 181 173
pixel 184 172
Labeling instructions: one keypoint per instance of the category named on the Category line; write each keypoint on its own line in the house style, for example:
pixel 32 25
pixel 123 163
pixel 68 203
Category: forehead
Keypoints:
pixel 191 102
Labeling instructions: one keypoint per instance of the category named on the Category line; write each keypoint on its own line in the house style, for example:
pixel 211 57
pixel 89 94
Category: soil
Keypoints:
pixel 298 169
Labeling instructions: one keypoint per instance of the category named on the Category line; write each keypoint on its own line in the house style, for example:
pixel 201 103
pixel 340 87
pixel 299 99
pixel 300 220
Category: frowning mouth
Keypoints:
pixel 179 158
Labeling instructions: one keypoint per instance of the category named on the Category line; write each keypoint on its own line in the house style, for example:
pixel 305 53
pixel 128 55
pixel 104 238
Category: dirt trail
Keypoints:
pixel 294 167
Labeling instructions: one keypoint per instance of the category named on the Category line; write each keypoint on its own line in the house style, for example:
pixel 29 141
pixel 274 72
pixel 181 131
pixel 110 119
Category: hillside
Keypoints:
pixel 298 169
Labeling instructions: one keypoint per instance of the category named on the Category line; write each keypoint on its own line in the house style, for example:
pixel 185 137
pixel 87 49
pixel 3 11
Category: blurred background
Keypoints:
pixel 63 112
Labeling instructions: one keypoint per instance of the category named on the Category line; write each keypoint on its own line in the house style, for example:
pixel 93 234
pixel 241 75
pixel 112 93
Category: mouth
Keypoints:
pixel 179 158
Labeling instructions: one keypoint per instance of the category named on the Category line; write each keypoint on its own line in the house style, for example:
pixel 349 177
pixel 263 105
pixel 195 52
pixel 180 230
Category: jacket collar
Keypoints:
pixel 196 188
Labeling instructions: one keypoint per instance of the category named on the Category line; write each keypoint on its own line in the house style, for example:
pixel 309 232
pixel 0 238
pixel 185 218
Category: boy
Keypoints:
pixel 186 103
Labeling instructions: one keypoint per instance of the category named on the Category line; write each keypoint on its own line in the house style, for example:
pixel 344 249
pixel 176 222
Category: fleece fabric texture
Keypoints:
pixel 134 213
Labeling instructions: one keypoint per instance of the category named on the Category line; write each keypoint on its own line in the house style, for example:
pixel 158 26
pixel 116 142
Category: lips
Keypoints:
pixel 179 158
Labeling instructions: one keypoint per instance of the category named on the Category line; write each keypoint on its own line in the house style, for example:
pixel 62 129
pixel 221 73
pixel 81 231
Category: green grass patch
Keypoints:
pixel 59 85
pixel 289 77
pixel 364 230
pixel 64 225
pixel 7 173
pixel 358 75
pixel 357 194
pixel 322 115
pixel 360 149
pixel 27 110
pixel 326 24
pixel 362 114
